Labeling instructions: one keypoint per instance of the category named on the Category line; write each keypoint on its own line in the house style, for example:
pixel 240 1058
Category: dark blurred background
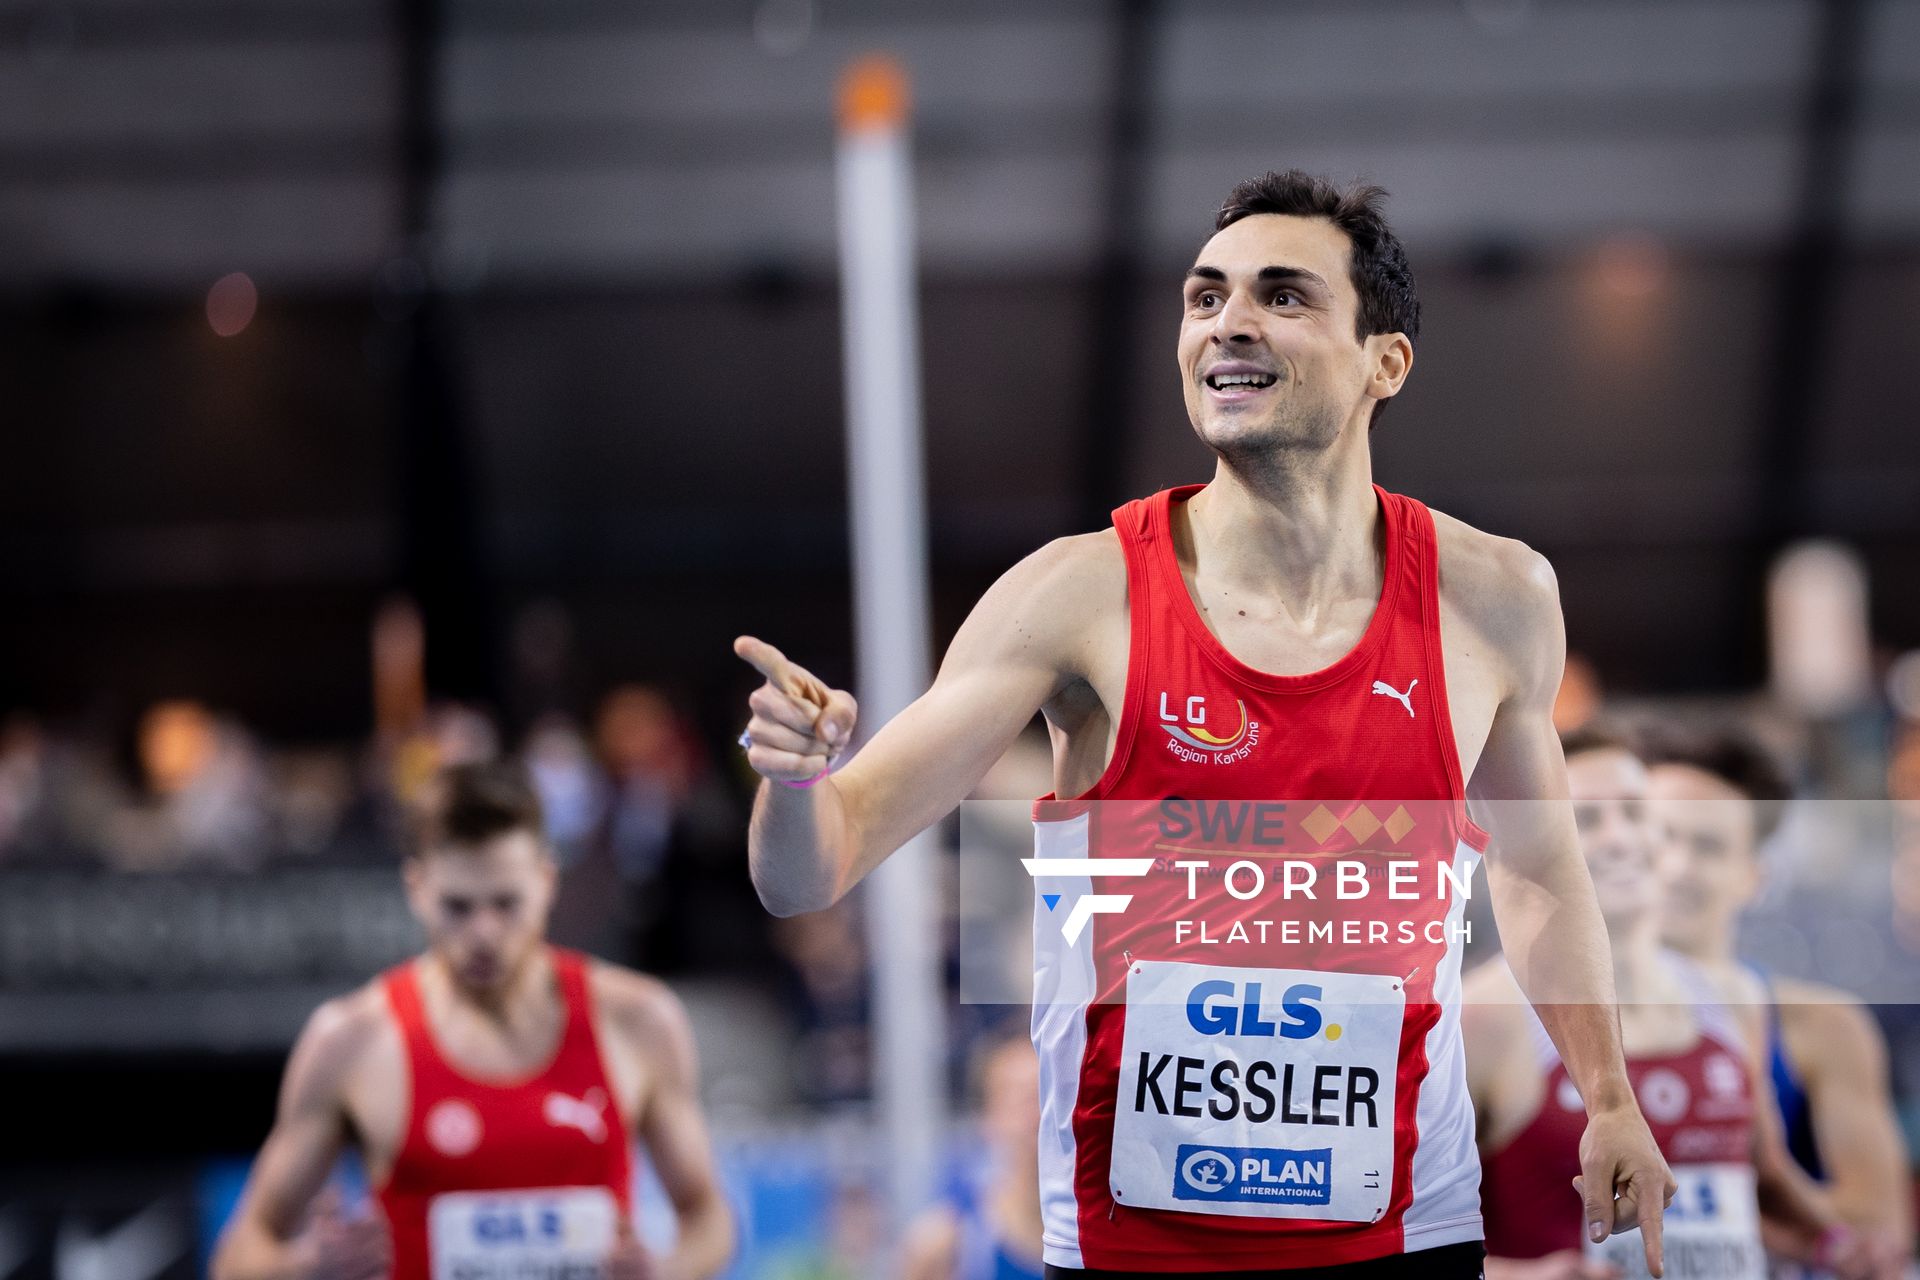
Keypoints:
pixel 389 382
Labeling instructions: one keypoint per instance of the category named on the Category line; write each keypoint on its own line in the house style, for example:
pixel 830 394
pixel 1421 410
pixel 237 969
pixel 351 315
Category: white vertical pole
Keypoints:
pixel 880 330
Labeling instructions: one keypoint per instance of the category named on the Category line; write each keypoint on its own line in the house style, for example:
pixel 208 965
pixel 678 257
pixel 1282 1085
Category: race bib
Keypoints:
pixel 560 1234
pixel 1712 1229
pixel 1257 1092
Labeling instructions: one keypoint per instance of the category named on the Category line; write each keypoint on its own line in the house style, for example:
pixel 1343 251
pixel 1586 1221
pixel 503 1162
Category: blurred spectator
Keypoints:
pixel 826 959
pixel 653 826
pixel 23 800
pixel 989 1227
pixel 1578 701
pixel 449 733
pixel 313 795
pixel 204 796
pixel 650 763
pixel 569 782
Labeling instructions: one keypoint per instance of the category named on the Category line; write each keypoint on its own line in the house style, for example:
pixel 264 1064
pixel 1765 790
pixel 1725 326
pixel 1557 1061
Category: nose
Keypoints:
pixel 487 928
pixel 1237 320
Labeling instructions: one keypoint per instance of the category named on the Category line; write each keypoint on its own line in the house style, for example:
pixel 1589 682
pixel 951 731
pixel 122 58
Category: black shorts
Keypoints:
pixel 1446 1262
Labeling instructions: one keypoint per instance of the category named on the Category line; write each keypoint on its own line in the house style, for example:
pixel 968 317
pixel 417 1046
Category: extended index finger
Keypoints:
pixel 771 663
pixel 1652 1226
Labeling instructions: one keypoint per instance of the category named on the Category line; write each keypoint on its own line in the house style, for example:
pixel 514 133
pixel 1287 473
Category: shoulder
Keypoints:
pixel 1085 567
pixel 1506 592
pixel 1824 1025
pixel 1491 578
pixel 1046 610
pixel 641 1013
pixel 1736 983
pixel 340 1036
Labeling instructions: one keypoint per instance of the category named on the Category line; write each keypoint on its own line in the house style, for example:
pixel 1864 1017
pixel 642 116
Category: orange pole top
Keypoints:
pixel 873 94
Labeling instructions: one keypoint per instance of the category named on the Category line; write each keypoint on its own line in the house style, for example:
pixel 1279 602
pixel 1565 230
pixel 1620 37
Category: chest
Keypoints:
pixel 517 1102
pixel 1697 1101
pixel 1087 717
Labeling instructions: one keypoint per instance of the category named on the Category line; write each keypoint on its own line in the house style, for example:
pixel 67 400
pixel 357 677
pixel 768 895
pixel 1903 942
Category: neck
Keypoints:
pixel 1636 961
pixel 1709 941
pixel 526 986
pixel 1317 531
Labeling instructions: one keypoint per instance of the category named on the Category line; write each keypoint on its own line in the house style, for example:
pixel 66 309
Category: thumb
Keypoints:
pixel 1597 1203
pixel 835 724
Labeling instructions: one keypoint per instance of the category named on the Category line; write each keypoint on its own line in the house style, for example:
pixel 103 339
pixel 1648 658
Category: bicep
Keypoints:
pixel 1016 649
pixel 1519 783
pixel 309 1133
pixel 671 1123
pixel 1852 1112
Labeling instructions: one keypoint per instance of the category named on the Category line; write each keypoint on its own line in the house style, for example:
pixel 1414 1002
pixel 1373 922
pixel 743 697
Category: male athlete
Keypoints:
pixel 1718 797
pixel 491 1086
pixel 1696 1064
pixel 1286 658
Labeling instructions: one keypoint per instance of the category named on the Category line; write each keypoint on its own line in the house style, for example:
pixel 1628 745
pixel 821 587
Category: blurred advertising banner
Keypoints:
pixel 94 960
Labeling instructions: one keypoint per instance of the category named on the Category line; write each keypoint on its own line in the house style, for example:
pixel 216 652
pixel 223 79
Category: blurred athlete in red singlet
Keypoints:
pixel 492 1086
pixel 1694 1064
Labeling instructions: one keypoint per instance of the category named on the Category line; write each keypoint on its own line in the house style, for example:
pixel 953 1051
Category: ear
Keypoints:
pixel 1392 361
pixel 413 875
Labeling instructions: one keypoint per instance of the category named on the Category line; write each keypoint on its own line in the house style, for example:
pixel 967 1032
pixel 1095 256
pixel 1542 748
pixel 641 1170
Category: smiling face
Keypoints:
pixel 1608 787
pixel 1269 360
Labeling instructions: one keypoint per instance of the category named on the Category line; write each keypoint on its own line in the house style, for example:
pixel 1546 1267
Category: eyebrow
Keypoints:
pixel 1268 275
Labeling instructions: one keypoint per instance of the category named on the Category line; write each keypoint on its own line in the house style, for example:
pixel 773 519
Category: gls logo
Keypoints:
pixel 1216 1008
pixel 1189 737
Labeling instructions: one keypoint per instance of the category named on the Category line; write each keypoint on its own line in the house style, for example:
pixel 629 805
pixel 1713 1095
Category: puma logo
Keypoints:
pixel 583 1113
pixel 1404 699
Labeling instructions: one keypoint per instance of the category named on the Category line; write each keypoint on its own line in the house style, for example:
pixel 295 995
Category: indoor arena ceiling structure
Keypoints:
pixel 162 142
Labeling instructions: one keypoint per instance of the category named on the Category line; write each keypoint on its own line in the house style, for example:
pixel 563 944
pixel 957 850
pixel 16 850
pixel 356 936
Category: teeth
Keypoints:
pixel 1241 380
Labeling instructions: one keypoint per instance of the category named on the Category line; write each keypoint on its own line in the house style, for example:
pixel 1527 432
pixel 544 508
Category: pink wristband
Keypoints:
pixel 801 786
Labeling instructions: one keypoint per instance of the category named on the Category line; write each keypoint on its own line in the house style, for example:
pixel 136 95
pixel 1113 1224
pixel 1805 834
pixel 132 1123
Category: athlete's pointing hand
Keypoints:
pixel 799 725
pixel 1624 1181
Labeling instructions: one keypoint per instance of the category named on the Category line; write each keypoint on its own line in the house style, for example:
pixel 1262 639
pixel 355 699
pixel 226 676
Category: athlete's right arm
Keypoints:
pixel 264 1239
pixel 1024 642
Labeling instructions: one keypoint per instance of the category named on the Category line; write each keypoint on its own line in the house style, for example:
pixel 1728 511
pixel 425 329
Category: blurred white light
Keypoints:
pixel 1903 684
pixel 1817 628
pixel 231 303
pixel 783 27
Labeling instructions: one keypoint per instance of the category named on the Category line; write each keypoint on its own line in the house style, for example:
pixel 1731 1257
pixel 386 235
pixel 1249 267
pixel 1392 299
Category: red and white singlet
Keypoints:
pixel 522 1179
pixel 1699 1105
pixel 1289 1092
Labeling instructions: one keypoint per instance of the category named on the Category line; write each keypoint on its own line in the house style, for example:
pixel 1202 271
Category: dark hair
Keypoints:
pixel 1599 735
pixel 1377 266
pixel 1733 756
pixel 470 804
